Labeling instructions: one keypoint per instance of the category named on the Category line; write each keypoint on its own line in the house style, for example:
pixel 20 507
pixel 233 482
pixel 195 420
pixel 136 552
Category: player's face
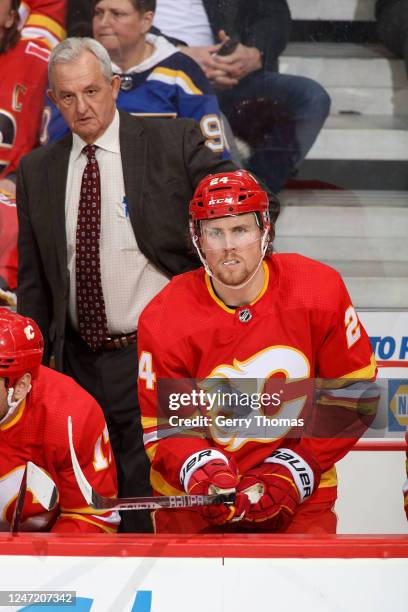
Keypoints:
pixel 3 398
pixel 84 97
pixel 119 27
pixel 232 247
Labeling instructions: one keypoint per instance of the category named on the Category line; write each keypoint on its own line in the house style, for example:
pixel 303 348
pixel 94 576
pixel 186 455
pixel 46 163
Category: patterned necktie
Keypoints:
pixel 92 322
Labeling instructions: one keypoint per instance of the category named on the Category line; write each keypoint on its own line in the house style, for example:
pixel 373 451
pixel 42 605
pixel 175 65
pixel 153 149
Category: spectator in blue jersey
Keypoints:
pixel 237 43
pixel 156 78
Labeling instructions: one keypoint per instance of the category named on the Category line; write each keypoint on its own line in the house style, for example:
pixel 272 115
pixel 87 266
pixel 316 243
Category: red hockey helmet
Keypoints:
pixel 21 345
pixel 227 194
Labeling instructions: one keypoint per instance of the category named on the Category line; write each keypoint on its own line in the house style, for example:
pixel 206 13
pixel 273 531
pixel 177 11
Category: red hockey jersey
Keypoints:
pixel 23 81
pixel 301 326
pixel 37 432
pixel 8 241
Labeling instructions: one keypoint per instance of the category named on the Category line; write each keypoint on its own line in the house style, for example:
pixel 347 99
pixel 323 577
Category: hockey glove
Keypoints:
pixel 283 482
pixel 210 472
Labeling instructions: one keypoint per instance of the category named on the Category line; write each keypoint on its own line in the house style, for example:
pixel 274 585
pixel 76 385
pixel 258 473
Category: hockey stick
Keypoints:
pixel 99 502
pixel 18 510
pixel 42 488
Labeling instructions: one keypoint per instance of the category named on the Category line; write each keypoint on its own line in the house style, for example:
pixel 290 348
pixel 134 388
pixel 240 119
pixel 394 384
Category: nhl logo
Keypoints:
pixel 245 315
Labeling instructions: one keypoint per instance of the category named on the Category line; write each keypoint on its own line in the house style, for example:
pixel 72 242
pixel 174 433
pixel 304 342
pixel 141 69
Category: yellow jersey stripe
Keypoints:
pixel 15 418
pixel 42 21
pixel 232 310
pixel 178 75
pixel 366 373
pixel 162 486
pixel 329 478
pixel 148 422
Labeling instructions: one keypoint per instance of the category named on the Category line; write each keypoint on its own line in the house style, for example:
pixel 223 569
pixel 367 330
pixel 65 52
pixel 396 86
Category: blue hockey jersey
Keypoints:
pixel 166 84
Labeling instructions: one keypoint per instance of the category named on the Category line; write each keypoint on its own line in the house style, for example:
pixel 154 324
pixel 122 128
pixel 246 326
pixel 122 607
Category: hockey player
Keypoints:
pixel 23 76
pixel 35 402
pixel 250 314
pixel 157 80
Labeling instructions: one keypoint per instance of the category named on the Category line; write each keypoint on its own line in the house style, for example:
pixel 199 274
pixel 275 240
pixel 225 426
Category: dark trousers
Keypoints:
pixel 111 377
pixel 392 19
pixel 280 117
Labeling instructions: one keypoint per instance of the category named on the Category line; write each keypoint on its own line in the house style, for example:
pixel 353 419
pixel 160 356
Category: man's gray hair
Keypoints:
pixel 72 48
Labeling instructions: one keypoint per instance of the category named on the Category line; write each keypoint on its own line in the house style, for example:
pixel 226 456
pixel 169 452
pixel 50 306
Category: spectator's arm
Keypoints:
pixel 199 160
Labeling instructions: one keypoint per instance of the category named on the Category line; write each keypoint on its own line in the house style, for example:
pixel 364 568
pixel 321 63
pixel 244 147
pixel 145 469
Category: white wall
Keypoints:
pixel 370 492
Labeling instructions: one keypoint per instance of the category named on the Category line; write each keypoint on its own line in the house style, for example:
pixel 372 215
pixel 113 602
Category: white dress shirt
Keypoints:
pixel 129 280
pixel 185 20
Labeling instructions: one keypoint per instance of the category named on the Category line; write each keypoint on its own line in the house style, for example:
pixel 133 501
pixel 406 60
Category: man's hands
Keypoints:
pixel 214 473
pixel 204 56
pixel 225 71
pixel 235 66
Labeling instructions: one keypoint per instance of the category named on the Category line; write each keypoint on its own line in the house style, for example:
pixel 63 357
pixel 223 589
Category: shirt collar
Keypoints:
pixel 109 140
pixel 162 49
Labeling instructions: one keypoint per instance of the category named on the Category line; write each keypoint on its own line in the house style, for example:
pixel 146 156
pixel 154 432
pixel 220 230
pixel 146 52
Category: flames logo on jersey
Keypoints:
pixel 251 377
pixel 34 517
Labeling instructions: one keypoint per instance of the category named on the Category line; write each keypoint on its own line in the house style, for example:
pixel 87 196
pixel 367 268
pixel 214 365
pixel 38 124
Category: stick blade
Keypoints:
pixel 41 486
pixel 83 484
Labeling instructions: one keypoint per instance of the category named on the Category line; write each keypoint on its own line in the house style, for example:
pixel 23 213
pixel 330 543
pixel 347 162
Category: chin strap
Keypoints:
pixel 264 246
pixel 12 405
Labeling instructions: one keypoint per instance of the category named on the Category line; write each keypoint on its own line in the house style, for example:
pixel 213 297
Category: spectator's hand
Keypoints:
pixel 221 80
pixel 204 56
pixel 8 186
pixel 237 64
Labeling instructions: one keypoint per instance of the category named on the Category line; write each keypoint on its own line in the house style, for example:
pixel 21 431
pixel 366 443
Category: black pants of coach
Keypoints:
pixel 111 377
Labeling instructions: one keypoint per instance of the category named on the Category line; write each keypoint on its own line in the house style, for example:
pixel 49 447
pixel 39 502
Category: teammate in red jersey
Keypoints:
pixel 23 77
pixel 8 248
pixel 35 403
pixel 248 314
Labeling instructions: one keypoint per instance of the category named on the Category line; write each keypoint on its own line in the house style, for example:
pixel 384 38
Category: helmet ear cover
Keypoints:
pixel 21 346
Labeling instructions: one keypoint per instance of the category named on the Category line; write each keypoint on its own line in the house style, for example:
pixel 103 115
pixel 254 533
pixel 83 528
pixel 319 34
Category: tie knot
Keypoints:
pixel 89 151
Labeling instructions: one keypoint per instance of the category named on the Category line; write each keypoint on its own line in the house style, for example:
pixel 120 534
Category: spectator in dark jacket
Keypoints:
pixel 392 19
